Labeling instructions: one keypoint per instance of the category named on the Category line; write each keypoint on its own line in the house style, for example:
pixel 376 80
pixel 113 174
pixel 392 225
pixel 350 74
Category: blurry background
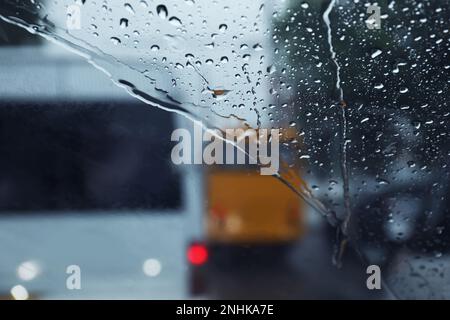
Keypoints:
pixel 86 176
pixel 86 179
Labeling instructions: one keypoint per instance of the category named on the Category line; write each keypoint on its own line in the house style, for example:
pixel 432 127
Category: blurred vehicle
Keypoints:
pixel 249 218
pixel 245 208
pixel 81 183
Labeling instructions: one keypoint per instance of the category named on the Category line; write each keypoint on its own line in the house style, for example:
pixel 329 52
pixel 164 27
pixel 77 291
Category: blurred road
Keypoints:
pixel 111 250
pixel 306 273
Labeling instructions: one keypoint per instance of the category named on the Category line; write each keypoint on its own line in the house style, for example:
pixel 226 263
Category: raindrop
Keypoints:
pixel 175 21
pixel 115 40
pixel 376 53
pixel 271 69
pixel 223 27
pixel 129 8
pixel 123 23
pixel 162 11
pixel 364 120
pixel 257 47
pixel 382 181
pixel 154 47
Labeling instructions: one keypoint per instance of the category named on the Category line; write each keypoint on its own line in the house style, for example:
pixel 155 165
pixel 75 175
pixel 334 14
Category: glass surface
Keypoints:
pixel 358 90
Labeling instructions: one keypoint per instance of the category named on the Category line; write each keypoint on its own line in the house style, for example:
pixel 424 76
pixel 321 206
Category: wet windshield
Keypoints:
pixel 357 89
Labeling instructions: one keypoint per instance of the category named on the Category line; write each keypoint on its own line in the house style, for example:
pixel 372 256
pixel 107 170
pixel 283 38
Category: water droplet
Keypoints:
pixel 382 181
pixel 115 40
pixel 123 23
pixel 223 27
pixel 257 47
pixel 416 124
pixel 154 47
pixel 175 21
pixel 364 120
pixel 376 53
pixel 129 8
pixel 271 69
pixel 162 11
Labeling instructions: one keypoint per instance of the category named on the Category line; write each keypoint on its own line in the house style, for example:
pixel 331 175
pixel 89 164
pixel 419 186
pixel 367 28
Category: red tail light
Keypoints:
pixel 197 254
